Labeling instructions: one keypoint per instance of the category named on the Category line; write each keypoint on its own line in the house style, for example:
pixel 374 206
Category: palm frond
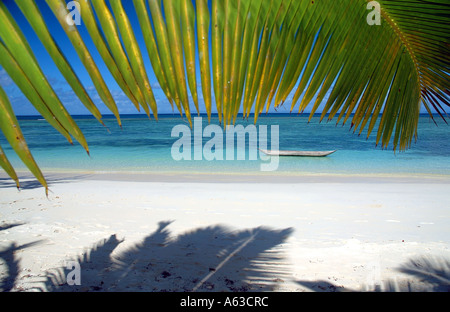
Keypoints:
pixel 217 19
pixel 173 18
pixel 152 48
pixel 134 56
pixel 31 12
pixel 188 33
pixel 9 169
pixel 11 129
pixel 60 11
pixel 162 38
pixel 203 20
pixel 13 41
pixel 105 52
pixel 325 55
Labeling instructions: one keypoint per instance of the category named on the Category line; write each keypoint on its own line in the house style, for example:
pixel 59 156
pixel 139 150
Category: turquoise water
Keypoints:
pixel 145 146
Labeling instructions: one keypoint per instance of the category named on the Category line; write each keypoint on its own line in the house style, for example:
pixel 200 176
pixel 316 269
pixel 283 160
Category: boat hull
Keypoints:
pixel 298 153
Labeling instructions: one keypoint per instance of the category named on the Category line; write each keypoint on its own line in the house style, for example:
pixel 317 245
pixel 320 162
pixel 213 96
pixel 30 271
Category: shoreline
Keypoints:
pixel 233 177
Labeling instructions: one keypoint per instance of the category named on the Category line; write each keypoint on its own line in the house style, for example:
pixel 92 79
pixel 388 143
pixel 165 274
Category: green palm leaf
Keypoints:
pixel 134 56
pixel 59 10
pixel 248 38
pixel 10 65
pixel 11 129
pixel 257 53
pixel 6 165
pixel 102 47
pixel 173 20
pixel 188 33
pixel 30 10
pixel 217 19
pixel 324 54
pixel 203 20
pixel 13 40
pixel 164 49
pixel 112 37
pixel 152 48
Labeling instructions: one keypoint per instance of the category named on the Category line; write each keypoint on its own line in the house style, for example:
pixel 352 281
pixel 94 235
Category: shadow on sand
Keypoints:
pixel 214 259
pixel 432 272
pixel 205 259
pixel 11 270
pixel 29 182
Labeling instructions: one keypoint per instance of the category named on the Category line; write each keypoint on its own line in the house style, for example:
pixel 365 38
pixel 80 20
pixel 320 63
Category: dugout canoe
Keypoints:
pixel 298 153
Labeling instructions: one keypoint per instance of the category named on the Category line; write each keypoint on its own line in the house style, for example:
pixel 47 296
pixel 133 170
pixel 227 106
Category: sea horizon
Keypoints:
pixel 194 114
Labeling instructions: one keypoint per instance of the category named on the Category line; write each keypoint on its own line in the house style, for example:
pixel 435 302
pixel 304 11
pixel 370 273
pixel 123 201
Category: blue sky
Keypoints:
pixel 21 104
pixel 23 107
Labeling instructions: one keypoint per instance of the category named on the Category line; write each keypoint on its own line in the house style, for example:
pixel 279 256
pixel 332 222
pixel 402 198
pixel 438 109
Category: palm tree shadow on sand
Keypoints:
pixel 206 259
pixel 11 270
pixel 213 259
pixel 433 273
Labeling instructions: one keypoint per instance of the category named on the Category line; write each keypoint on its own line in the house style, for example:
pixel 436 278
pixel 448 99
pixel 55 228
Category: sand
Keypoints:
pixel 129 232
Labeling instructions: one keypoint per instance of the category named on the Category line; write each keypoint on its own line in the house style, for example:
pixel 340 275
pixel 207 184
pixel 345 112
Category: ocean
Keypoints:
pixel 147 146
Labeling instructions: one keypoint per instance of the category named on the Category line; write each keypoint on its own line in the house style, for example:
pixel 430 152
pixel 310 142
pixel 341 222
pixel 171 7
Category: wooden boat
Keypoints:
pixel 298 153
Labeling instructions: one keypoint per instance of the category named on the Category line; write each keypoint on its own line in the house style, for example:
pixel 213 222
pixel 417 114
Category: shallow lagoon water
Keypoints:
pixel 144 145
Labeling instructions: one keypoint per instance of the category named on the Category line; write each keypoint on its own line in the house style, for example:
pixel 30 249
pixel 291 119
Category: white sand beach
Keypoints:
pixel 226 233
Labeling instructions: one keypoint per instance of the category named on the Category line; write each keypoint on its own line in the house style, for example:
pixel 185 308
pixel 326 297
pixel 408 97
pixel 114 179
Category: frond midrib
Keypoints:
pixel 397 30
